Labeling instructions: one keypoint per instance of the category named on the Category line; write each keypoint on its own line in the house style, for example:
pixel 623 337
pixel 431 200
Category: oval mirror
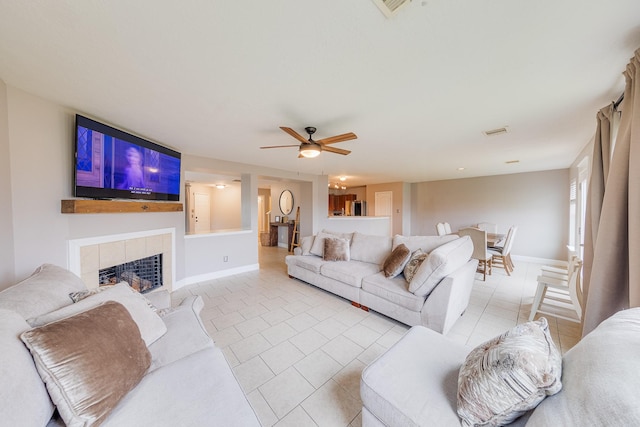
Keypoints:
pixel 286 202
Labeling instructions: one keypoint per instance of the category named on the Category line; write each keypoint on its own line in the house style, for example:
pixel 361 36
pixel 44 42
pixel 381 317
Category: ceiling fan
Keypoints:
pixel 310 148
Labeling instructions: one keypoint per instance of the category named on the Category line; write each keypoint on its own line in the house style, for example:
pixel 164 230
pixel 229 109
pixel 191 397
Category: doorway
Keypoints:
pixel 384 206
pixel 202 204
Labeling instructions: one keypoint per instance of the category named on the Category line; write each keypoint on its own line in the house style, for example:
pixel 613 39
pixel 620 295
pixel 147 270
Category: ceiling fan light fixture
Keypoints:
pixel 310 150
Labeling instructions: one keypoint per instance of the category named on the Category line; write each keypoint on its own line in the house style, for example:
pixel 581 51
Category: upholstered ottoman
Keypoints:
pixel 415 382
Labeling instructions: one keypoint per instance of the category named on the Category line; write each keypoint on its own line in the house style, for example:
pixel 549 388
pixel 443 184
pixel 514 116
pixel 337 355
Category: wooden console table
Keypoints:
pixel 273 233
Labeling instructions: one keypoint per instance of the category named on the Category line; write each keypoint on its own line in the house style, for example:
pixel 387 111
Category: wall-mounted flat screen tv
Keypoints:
pixel 112 164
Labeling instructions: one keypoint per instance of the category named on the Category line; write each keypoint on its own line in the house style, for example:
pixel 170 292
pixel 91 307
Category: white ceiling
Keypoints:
pixel 217 78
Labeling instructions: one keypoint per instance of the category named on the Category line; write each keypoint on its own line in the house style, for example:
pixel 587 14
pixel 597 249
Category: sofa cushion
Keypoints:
pixel 441 262
pixel 318 243
pixel 305 244
pixel 393 290
pixel 185 334
pixel 24 400
pixel 150 324
pixel 311 263
pixel 368 248
pixel 505 377
pixel 202 391
pixel 600 378
pixel 47 289
pixel 89 361
pixel 426 243
pixel 350 273
pixel 414 263
pixel 395 262
pixel 336 249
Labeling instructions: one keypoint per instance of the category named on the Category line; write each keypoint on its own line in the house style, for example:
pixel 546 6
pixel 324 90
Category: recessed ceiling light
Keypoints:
pixel 220 186
pixel 343 178
pixel 460 169
pixel 512 161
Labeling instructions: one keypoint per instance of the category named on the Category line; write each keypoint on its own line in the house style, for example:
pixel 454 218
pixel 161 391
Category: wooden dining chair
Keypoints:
pixel 480 252
pixel 502 256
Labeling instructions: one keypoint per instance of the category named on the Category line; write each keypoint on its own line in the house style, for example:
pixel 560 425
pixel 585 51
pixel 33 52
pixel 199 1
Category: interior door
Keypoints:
pixel 202 212
pixel 384 206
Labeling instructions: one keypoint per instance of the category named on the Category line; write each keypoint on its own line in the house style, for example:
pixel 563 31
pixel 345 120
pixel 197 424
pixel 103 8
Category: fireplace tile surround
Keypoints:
pixel 88 255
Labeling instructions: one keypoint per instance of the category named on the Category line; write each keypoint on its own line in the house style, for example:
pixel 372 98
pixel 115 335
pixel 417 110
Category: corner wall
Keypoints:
pixel 7 261
pixel 537 202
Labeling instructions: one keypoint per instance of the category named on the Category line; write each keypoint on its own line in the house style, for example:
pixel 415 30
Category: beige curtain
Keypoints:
pixel 597 182
pixel 614 282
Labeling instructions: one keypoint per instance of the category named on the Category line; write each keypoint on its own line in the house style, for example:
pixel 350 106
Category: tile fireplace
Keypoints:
pixel 90 258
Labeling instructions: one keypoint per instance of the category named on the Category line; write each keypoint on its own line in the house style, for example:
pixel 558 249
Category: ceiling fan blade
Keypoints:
pixel 294 134
pixel 281 146
pixel 338 138
pixel 335 150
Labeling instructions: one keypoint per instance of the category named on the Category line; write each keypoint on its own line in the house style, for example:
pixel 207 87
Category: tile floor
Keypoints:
pixel 298 351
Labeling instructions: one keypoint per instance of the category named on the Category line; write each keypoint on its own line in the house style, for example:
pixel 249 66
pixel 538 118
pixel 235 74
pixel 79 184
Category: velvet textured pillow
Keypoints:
pixel 417 258
pixel 395 262
pixel 89 361
pixel 336 249
pixel 503 378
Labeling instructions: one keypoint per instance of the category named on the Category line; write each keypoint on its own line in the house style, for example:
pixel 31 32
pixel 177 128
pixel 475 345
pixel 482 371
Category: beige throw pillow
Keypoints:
pixel 503 378
pixel 395 262
pixel 150 324
pixel 417 258
pixel 336 249
pixel 89 361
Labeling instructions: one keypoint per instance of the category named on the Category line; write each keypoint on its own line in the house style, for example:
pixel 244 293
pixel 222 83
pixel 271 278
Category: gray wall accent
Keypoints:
pixel 537 202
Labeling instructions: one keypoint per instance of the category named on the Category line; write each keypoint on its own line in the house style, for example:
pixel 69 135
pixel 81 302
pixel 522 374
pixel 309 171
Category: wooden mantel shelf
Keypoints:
pixel 85 206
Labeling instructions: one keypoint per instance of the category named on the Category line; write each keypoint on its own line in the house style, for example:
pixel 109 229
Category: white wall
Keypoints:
pixel 37 137
pixel 41 175
pixel 226 207
pixel 7 267
pixel 537 202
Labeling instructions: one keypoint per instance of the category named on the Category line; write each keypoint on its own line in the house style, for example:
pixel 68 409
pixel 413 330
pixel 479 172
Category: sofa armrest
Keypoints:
pixel 297 250
pixel 195 302
pixel 160 299
pixel 449 299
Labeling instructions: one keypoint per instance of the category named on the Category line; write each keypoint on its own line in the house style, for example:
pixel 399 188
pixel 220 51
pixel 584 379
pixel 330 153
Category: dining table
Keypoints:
pixel 494 239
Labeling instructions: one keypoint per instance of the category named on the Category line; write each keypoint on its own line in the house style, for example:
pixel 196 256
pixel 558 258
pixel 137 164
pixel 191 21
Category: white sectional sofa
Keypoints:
pixel 187 383
pixel 437 302
pixel 415 382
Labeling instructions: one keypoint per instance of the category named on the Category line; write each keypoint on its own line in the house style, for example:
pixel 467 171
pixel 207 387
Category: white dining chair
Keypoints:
pixel 489 227
pixel 559 295
pixel 502 255
pixel 480 252
pixel 440 229
pixel 447 228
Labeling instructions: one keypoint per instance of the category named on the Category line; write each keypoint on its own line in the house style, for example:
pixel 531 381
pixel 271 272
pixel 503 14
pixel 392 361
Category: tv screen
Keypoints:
pixel 112 164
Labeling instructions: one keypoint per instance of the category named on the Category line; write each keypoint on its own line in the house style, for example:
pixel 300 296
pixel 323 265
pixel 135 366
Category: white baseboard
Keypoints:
pixel 214 275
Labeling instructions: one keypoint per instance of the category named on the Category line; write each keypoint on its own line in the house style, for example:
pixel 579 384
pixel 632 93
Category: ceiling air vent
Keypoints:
pixel 494 132
pixel 390 7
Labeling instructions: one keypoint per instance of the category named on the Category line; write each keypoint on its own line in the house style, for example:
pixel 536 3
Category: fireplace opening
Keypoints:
pixel 143 275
